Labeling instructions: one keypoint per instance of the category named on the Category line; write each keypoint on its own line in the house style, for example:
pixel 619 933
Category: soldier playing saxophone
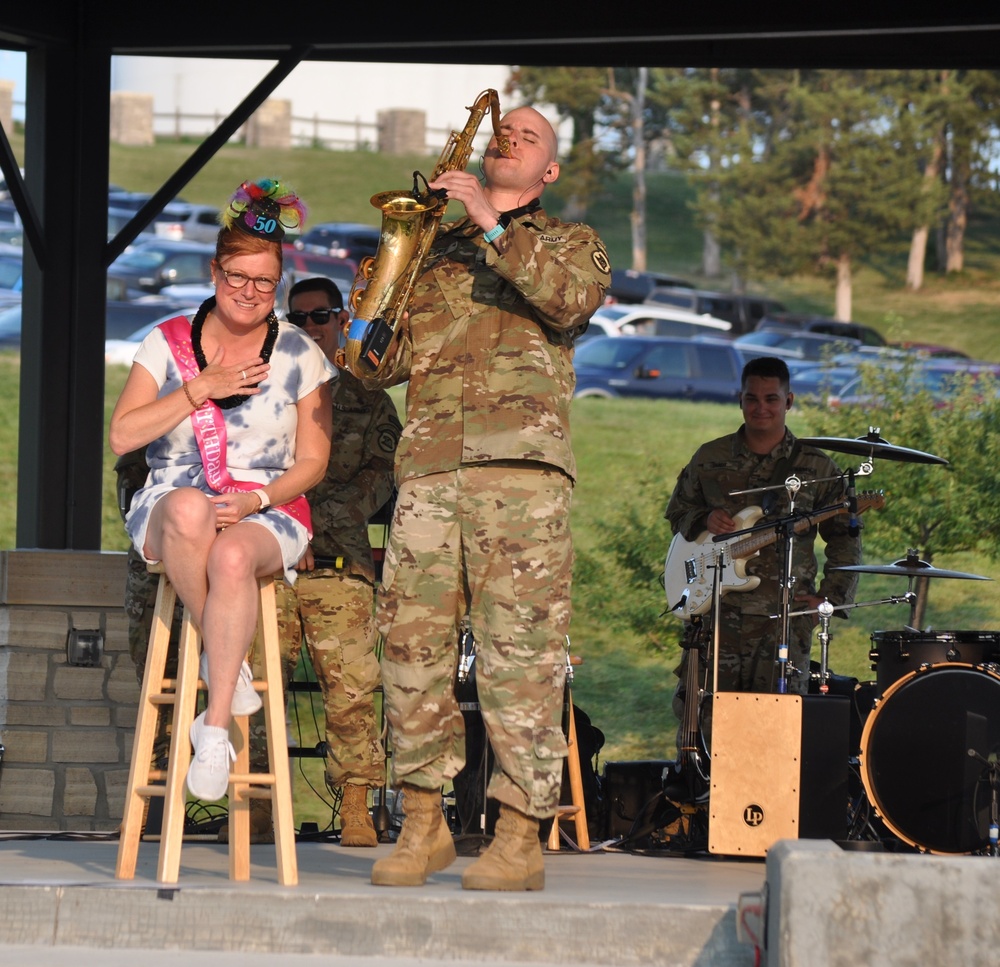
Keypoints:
pixel 485 471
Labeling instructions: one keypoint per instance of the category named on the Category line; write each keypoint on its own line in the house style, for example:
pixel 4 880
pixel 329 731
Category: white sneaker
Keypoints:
pixel 208 774
pixel 246 699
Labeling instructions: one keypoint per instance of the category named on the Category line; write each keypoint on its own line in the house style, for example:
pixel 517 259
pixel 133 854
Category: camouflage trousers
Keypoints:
pixel 333 612
pixel 492 541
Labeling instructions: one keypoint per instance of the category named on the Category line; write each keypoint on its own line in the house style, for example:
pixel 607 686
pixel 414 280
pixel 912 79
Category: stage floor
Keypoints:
pixel 59 891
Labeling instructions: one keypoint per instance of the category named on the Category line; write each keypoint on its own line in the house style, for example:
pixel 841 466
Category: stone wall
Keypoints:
pixel 402 131
pixel 131 118
pixel 66 730
pixel 7 106
pixel 270 126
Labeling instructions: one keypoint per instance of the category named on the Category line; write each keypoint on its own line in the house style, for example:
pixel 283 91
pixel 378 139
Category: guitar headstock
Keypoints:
pixel 871 500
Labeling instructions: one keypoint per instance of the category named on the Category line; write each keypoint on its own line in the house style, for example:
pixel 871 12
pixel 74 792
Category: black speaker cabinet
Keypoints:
pixel 779 770
pixel 628 788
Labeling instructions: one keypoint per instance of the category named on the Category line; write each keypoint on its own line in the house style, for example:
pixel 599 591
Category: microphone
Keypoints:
pixel 853 526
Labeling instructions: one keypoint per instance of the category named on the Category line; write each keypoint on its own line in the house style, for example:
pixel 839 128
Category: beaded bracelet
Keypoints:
pixel 187 393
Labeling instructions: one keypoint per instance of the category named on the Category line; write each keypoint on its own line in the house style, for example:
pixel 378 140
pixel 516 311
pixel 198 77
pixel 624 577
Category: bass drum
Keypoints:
pixel 915 762
pixel 897 653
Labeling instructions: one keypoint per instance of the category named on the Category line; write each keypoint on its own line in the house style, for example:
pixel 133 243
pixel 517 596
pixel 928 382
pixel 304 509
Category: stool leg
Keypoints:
pixel 239 802
pixel 145 730
pixel 174 806
pixel 277 739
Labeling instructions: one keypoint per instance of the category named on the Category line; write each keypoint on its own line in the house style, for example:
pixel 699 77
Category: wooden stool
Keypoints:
pixel 578 810
pixel 145 781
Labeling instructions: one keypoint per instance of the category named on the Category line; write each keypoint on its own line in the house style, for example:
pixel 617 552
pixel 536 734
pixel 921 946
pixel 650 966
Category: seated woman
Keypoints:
pixel 234 410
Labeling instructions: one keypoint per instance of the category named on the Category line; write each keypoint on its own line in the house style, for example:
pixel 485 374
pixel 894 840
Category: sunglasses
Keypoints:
pixel 319 316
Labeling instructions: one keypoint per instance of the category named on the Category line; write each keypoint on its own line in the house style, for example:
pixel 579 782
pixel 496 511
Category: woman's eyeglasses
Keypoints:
pixel 319 316
pixel 238 281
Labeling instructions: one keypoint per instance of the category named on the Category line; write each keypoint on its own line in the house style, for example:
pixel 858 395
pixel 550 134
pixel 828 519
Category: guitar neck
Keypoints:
pixel 749 545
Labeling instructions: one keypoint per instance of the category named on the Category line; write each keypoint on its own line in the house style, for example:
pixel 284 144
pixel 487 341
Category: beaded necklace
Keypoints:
pixel 228 402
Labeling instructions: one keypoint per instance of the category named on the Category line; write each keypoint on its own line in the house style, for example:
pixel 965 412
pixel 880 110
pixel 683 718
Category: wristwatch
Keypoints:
pixel 265 500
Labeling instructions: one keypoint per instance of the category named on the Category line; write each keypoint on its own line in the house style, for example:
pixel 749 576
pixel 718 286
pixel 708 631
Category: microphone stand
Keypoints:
pixel 792 485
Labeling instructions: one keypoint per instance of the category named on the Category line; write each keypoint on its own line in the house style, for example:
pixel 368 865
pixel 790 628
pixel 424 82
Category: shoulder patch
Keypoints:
pixel 602 261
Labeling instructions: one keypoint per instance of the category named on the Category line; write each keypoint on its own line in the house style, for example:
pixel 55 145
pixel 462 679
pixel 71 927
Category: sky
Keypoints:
pixel 12 66
pixel 326 90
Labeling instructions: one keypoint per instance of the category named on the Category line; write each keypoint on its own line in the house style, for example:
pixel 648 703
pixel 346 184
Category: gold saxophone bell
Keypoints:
pixel 384 282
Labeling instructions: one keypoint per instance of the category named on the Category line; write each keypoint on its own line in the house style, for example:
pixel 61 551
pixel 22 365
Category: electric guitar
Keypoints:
pixel 687 572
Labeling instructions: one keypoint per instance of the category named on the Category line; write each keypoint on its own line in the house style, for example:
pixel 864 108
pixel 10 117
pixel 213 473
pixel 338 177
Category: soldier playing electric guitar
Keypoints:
pixel 760 454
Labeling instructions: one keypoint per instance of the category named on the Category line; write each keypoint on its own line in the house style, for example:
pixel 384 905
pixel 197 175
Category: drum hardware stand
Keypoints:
pixel 993 767
pixel 466 650
pixel 466 659
pixel 908 598
pixel 825 611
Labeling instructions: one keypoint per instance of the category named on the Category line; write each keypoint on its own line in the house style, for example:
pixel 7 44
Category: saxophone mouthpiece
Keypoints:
pixel 503 144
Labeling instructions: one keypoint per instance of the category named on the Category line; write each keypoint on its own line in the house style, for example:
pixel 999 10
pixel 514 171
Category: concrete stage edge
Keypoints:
pixel 820 905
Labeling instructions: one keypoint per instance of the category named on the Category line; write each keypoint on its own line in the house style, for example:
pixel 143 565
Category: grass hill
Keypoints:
pixel 962 310
pixel 624 684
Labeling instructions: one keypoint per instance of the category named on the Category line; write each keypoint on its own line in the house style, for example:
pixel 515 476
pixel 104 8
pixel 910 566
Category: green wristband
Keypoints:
pixel 494 232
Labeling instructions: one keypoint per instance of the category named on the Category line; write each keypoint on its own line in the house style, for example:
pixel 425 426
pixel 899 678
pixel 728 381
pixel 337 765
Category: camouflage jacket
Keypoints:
pixel 488 349
pixel 358 478
pixel 728 464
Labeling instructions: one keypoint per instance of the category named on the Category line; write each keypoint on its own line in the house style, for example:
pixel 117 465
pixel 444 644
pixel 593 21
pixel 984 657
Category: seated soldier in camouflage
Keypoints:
pixel 332 602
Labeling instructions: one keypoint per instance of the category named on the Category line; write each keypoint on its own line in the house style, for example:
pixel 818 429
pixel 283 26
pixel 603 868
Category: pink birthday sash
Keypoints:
pixel 210 428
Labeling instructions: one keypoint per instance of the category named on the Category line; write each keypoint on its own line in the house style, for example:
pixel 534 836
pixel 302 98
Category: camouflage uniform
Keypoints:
pixel 481 523
pixel 748 636
pixel 332 606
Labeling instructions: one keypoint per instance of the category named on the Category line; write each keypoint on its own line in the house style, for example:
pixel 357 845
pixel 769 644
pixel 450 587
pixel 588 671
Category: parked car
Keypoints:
pixel 9 214
pixel 343 240
pixel 302 264
pixel 133 200
pixel 196 223
pixel 122 351
pixel 643 320
pixel 818 384
pixel 631 285
pixel 151 265
pixel 659 366
pixel 844 385
pixel 10 327
pixel 794 347
pixel 11 268
pixel 297 265
pixel 792 322
pixel 931 349
pixel 743 311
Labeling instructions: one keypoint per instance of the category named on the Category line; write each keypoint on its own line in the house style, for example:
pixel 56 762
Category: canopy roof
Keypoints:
pixel 69 46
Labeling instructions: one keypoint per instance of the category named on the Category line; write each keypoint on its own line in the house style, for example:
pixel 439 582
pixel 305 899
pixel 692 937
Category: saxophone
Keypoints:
pixel 384 282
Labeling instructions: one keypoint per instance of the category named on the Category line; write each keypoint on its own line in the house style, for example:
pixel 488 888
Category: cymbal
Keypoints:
pixel 871 445
pixel 910 567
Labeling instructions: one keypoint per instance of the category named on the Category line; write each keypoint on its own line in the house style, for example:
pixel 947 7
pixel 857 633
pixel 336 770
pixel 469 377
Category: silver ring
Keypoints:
pixel 243 374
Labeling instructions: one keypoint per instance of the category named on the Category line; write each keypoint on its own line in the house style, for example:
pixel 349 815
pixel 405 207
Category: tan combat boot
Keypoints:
pixel 513 861
pixel 424 845
pixel 261 824
pixel 356 826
